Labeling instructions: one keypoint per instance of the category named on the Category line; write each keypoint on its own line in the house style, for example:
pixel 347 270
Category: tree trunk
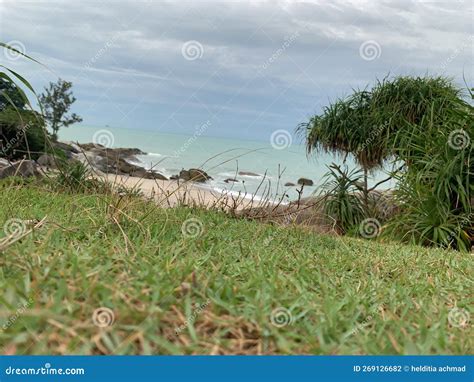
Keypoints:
pixel 366 190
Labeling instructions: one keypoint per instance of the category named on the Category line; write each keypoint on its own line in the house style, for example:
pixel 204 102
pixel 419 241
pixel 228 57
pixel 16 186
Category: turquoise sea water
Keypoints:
pixel 284 161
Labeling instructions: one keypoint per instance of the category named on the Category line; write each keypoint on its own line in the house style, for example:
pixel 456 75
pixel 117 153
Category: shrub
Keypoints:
pixel 22 133
pixel 342 201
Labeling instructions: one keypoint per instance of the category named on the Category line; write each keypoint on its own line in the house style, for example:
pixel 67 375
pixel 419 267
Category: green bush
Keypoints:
pixel 22 134
pixel 342 201
pixel 426 124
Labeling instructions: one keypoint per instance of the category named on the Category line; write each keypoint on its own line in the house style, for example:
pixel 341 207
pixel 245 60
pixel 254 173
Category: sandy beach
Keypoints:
pixel 171 193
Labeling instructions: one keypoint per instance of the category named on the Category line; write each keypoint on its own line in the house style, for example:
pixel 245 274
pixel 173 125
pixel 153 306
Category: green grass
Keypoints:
pixel 344 296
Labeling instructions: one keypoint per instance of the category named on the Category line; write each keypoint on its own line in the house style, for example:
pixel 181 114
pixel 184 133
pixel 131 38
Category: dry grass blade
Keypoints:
pixel 14 237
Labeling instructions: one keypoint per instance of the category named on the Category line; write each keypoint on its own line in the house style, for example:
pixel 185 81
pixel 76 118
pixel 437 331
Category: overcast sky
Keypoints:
pixel 248 67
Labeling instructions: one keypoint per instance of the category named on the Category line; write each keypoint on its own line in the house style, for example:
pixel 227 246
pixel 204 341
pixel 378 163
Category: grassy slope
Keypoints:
pixel 345 296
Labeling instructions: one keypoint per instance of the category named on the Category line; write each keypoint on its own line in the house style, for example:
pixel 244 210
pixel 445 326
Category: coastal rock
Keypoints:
pixel 23 169
pixel 67 149
pixel 248 173
pixel 120 166
pixel 116 161
pixel 142 173
pixel 289 184
pixel 110 153
pixel 305 182
pixel 195 175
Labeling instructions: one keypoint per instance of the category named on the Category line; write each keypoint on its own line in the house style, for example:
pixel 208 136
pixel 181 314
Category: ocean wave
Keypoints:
pixel 248 196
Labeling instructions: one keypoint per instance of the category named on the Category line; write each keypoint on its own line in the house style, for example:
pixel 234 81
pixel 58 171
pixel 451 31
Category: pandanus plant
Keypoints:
pixel 413 122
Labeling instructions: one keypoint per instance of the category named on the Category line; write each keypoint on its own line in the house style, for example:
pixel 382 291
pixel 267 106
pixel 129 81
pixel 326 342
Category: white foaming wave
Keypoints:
pixel 227 174
pixel 234 175
pixel 241 194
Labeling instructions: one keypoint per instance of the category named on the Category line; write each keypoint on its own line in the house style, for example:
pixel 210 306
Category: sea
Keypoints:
pixel 268 165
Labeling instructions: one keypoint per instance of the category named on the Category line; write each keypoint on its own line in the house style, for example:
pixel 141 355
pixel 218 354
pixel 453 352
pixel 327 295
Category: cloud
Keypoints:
pixel 266 61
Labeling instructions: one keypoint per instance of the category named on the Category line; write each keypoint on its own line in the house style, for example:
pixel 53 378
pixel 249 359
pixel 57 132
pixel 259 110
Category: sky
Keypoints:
pixel 246 69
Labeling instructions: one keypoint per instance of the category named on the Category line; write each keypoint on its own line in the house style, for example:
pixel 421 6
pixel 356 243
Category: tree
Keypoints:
pixel 10 94
pixel 57 101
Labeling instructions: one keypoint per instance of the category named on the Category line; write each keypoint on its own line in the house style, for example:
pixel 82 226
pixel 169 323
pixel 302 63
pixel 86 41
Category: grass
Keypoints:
pixel 214 284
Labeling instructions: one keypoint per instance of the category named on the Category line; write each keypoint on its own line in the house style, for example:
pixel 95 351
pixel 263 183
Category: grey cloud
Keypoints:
pixel 279 57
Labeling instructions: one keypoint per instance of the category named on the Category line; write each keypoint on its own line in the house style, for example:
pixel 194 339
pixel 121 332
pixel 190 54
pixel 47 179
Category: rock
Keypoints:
pixel 248 173
pixel 228 180
pixel 289 184
pixel 91 146
pixel 23 169
pixel 47 160
pixel 184 174
pixel 305 181
pixel 142 173
pixel 120 166
pixel 126 152
pixel 68 149
pixel 110 153
pixel 194 174
pixel 115 161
